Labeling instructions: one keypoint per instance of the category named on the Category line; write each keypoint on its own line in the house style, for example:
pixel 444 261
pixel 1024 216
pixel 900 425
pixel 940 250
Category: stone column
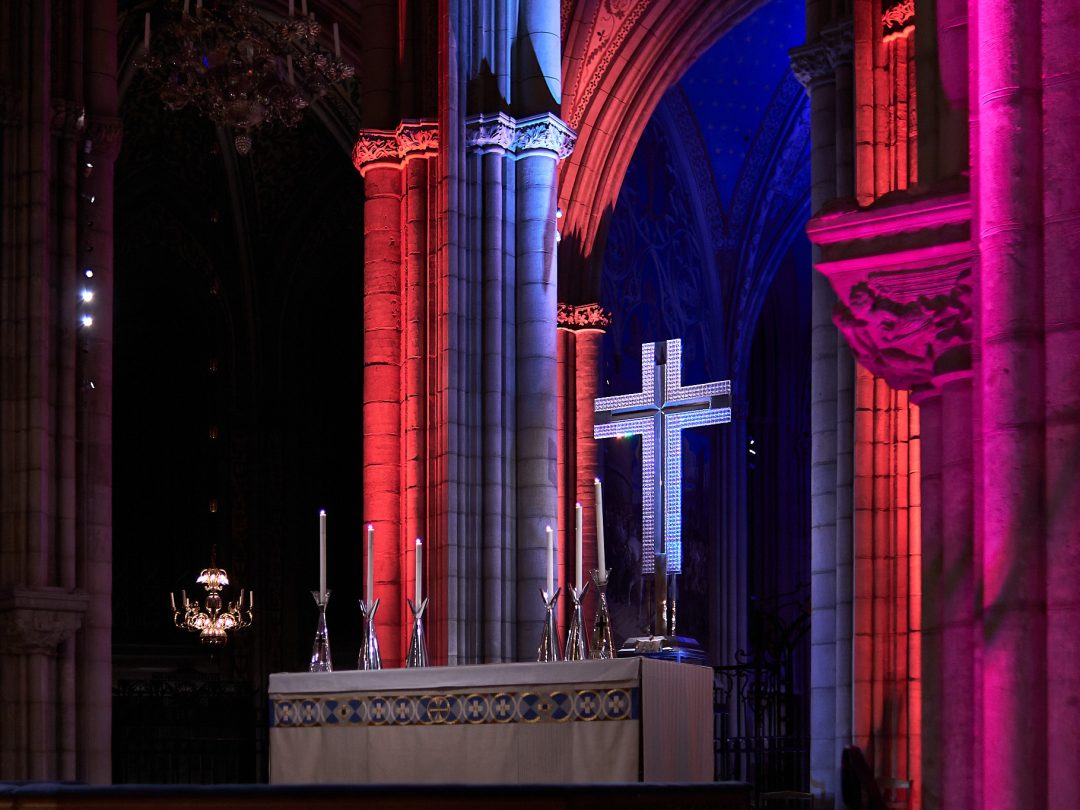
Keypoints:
pixel 497 444
pixel 1007 154
pixel 812 67
pixel 929 402
pixel 397 362
pixel 535 407
pixel 955 588
pixel 1061 209
pixel 383 395
pixel 581 328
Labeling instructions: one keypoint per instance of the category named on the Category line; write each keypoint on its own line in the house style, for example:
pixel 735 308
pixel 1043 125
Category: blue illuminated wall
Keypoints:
pixel 706 236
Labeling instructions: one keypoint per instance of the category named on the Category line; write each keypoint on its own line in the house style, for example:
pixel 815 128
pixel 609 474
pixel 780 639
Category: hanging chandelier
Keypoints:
pixel 211 622
pixel 240 69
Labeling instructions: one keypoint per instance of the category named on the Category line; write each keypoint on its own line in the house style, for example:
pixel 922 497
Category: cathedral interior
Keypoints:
pixel 399 301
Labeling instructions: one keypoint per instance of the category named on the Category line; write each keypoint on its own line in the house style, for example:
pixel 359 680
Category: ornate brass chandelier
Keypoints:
pixel 240 69
pixel 212 623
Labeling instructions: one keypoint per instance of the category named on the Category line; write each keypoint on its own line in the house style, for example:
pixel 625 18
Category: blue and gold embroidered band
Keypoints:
pixel 457 708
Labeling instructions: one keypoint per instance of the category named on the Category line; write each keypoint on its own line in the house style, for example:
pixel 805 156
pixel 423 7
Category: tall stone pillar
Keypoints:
pixel 581 328
pixel 931 680
pixel 812 67
pixel 1011 383
pixel 60 138
pixel 541 141
pixel 399 352
pixel 1061 504
pixel 956 592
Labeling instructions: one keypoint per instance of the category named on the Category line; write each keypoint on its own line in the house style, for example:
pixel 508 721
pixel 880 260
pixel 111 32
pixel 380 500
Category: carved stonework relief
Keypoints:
pixel 611 23
pixel 391 147
pixel 38 621
pixel 584 316
pixel 896 17
pixel 909 340
pixel 902 273
pixel 504 133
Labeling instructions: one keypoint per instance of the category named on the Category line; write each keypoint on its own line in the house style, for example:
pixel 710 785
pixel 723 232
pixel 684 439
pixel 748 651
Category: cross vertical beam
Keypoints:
pixel 659 412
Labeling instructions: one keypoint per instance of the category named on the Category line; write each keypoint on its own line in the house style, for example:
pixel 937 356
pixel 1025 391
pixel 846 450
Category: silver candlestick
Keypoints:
pixel 417 655
pixel 603 645
pixel 369 643
pixel 549 641
pixel 320 650
pixel 577 640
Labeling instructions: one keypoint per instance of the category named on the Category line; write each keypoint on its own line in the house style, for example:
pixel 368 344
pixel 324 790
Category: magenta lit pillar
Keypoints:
pixel 1061 209
pixel 1007 155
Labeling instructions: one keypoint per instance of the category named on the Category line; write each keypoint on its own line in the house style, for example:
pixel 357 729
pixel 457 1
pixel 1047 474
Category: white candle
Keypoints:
pixel 187 5
pixel 550 562
pixel 303 8
pixel 172 599
pixel 146 31
pixel 337 42
pixel 322 554
pixel 601 564
pixel 251 599
pixel 577 543
pixel 419 572
pixel 291 6
pixel 370 564
pixel 183 598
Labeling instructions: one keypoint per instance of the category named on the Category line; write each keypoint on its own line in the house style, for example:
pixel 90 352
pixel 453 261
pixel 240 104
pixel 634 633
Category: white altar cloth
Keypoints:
pixel 624 720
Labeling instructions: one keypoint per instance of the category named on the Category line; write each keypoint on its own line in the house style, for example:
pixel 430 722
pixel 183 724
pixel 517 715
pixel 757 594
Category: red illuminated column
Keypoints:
pixel 383 395
pixel 398 365
pixel 1006 156
pixel 1061 208
pixel 580 331
pixel 587 373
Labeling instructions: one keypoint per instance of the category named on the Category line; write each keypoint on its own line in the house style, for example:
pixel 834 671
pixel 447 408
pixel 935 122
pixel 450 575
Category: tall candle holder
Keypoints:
pixel 577 639
pixel 320 650
pixel 603 644
pixel 549 640
pixel 417 655
pixel 369 643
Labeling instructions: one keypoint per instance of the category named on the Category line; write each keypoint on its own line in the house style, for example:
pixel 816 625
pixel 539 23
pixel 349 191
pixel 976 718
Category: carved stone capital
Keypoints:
pixel 897 16
pixel 811 64
pixel 385 147
pixel 583 316
pixel 490 132
pixel 839 42
pixel 545 133
pixel 37 621
pixel 902 271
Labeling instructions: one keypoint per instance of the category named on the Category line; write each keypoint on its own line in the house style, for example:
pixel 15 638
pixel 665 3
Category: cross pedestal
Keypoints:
pixel 658 413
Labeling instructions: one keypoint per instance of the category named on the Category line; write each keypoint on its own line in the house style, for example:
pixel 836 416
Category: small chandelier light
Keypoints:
pixel 238 68
pixel 212 623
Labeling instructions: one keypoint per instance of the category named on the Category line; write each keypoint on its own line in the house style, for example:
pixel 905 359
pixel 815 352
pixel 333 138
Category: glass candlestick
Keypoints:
pixel 603 645
pixel 417 655
pixel 549 640
pixel 577 640
pixel 369 643
pixel 320 650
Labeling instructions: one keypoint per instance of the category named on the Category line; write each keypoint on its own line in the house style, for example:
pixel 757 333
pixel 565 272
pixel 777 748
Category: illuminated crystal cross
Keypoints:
pixel 658 413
